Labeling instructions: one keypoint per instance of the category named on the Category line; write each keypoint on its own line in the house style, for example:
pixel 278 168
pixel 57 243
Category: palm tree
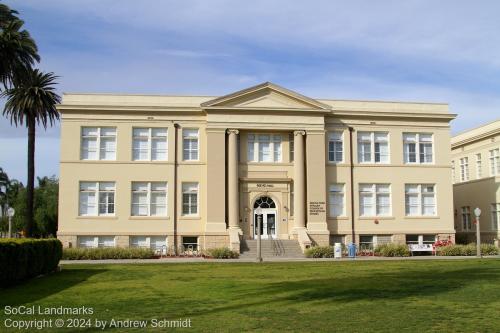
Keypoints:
pixel 18 51
pixel 30 102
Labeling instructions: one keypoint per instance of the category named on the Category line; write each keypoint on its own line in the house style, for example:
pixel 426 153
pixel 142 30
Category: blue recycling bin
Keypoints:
pixel 351 250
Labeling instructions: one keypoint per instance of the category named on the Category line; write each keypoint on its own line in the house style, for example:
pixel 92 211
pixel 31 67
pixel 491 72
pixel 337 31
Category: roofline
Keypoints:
pixel 475 128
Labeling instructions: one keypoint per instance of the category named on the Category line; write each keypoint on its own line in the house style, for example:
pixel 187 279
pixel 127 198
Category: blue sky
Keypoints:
pixel 446 51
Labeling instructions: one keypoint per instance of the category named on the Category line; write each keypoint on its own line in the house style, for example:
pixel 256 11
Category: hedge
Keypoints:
pixel 222 253
pixel 107 253
pixel 320 252
pixel 467 250
pixel 392 250
pixel 26 258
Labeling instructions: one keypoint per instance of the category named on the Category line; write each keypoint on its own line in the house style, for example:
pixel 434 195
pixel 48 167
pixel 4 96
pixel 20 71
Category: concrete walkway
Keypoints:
pixel 277 259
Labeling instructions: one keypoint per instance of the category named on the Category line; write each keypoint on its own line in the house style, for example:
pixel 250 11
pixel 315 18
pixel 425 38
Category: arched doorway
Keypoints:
pixel 268 228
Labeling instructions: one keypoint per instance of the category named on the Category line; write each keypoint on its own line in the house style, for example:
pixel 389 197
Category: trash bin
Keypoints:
pixel 337 250
pixel 351 250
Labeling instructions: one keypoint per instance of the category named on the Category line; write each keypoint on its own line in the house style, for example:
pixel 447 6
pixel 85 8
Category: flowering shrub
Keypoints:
pixel 392 250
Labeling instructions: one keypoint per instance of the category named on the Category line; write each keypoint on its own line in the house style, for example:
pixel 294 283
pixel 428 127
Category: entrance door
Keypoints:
pixel 268 225
pixel 269 218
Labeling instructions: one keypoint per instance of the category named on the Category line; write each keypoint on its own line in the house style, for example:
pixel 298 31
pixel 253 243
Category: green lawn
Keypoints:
pixel 384 296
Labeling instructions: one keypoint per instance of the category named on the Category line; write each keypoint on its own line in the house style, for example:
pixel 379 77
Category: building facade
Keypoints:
pixel 476 178
pixel 141 170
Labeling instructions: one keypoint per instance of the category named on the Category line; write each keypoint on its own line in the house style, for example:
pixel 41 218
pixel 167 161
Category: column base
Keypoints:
pixel 234 238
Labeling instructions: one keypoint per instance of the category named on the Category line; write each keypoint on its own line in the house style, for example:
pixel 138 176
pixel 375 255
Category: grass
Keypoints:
pixel 413 296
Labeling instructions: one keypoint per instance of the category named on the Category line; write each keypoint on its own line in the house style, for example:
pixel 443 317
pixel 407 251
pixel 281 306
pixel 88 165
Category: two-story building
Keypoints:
pixel 147 170
pixel 476 177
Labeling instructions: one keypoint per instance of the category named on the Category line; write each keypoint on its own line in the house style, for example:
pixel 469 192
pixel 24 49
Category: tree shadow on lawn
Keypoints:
pixel 32 290
pixel 379 286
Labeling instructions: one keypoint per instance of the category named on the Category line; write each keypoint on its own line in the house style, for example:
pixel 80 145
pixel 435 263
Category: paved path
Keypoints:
pixel 277 259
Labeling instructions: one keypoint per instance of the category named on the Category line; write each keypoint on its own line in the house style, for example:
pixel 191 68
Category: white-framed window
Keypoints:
pixel 373 147
pixel 374 199
pixel 495 162
pixel 149 199
pixel 418 147
pixel 420 200
pixel 466 218
pixel 464 169
pixel 151 242
pixel 97 199
pixel 420 239
pixel 291 144
pixel 264 148
pixel 337 200
pixel 367 242
pixel 190 144
pixel 190 198
pixel 149 144
pixel 96 241
pixel 495 216
pixel 335 147
pixel 190 243
pixel 479 167
pixel 98 143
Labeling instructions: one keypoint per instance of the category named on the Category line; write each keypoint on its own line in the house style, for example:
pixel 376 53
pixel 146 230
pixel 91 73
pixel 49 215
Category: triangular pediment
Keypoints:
pixel 263 96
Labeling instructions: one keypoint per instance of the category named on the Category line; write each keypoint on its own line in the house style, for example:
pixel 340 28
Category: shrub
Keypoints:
pixel 392 250
pixel 26 258
pixel 320 252
pixel 467 250
pixel 222 253
pixel 107 253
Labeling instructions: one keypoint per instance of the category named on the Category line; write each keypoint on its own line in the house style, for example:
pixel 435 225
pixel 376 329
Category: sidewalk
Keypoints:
pixel 277 259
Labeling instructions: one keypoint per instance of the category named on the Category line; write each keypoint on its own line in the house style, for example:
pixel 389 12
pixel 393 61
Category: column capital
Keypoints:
pixel 299 133
pixel 233 131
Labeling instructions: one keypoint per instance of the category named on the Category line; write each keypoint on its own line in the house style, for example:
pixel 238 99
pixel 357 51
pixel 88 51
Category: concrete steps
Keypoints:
pixel 275 248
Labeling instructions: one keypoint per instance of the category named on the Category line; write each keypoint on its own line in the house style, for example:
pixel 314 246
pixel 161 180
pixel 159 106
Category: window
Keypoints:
pixel 417 148
pixel 190 144
pixel 466 218
pixel 495 162
pixel 149 199
pixel 190 199
pixel 375 199
pixel 97 198
pixel 98 143
pixel 495 216
pixel 337 200
pixel 464 169
pixel 479 169
pixel 366 242
pixel 152 242
pixel 150 144
pixel 335 147
pixel 420 200
pixel 453 175
pixel 292 146
pixel 96 241
pixel 190 243
pixel 264 148
pixel 420 239
pixel 373 147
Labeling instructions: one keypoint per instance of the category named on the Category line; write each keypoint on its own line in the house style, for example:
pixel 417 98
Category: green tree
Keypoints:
pixel 18 51
pixel 30 102
pixel 46 203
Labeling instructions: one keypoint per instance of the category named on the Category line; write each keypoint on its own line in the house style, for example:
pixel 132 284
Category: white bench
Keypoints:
pixel 421 248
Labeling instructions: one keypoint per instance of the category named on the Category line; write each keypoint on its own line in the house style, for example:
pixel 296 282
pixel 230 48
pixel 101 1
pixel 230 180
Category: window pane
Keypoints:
pixel 366 205
pixel 159 150
pixel 264 151
pixel 141 132
pixel 108 148
pixel 89 149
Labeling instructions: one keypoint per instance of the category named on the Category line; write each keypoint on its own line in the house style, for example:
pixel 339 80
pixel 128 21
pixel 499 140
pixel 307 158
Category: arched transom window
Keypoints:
pixel 264 202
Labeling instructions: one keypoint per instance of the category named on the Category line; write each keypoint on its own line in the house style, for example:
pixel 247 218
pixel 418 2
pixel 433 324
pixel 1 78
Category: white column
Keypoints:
pixel 233 181
pixel 299 187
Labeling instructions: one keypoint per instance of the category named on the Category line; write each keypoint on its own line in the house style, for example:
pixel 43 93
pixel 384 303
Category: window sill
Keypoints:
pixel 377 218
pixel 149 218
pixel 190 217
pixel 97 217
pixel 422 217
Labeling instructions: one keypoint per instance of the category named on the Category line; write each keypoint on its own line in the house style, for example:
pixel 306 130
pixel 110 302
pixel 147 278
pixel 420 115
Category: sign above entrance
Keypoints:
pixel 261 185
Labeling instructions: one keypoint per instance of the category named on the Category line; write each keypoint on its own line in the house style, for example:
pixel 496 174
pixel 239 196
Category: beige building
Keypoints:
pixel 147 170
pixel 476 178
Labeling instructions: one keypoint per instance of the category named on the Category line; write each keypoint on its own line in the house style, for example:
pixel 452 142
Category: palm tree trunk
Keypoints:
pixel 31 177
